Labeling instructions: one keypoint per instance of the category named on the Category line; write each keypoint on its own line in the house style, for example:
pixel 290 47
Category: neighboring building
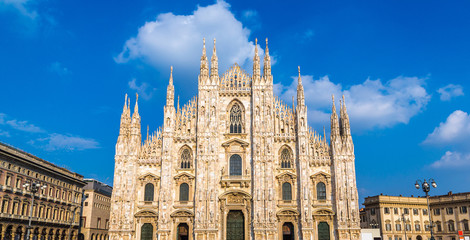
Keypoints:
pixel 234 163
pixel 56 207
pixel 450 214
pixel 96 207
pixel 397 216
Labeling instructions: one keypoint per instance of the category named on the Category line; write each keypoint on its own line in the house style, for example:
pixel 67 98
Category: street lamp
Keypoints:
pixel 33 187
pixel 426 188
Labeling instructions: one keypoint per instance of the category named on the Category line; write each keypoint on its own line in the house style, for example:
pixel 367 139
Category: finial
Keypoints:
pixel 125 102
pixel 256 46
pixel 300 78
pixel 333 97
pixel 178 106
pixel 171 75
pixel 214 51
pixel 267 49
pixel 204 46
pixel 147 133
pixel 136 97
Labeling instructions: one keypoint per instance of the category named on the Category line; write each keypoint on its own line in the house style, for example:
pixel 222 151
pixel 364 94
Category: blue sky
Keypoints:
pixel 403 67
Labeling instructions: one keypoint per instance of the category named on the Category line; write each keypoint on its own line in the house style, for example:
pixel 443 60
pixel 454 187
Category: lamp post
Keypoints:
pixel 426 188
pixel 32 187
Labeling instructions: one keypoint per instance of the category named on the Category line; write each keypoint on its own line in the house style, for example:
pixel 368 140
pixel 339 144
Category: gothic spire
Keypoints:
pixel 256 63
pixel 345 127
pixel 136 107
pixel 334 122
pixel 124 117
pixel 170 91
pixel 300 91
pixel 204 69
pixel 267 63
pixel 214 64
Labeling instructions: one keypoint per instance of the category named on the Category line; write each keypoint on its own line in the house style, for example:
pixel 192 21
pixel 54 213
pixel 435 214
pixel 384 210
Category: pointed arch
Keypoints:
pixel 185 158
pixel 236 117
pixel 286 157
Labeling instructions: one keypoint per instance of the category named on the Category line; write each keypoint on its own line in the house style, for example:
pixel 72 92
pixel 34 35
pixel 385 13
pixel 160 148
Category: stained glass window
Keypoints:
pixel 236 119
pixel 184 192
pixel 286 158
pixel 185 159
pixel 236 165
pixel 148 192
pixel 321 191
pixel 286 191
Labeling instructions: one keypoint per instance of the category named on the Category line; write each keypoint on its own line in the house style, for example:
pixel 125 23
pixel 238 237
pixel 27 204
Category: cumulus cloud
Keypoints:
pixel 454 131
pixel 453 160
pixel 450 91
pixel 23 126
pixel 22 6
pixel 56 141
pixel 371 104
pixel 143 89
pixel 177 40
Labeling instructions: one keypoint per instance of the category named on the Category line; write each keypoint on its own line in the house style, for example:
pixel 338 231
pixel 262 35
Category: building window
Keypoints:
pixel 425 212
pixel 417 227
pixel 184 192
pixel 395 211
pixel 388 227
pixel 449 210
pixel 463 209
pixel 83 221
pixel 372 211
pixel 185 159
pixel 4 206
pixel 148 196
pixel 437 211
pixel 286 158
pixel 465 225
pixel 8 181
pixel 321 191
pixel 236 119
pixel 235 165
pixel 18 183
pixel 408 227
pixel 439 227
pixel 426 226
pixel 398 227
pixel 146 232
pixel 386 210
pixel 450 226
pixel 286 191
pixel 86 204
pixel 98 223
pixel 415 211
pixel 406 211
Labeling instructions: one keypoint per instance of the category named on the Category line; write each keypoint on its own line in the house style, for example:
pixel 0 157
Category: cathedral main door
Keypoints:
pixel 235 225
pixel 323 231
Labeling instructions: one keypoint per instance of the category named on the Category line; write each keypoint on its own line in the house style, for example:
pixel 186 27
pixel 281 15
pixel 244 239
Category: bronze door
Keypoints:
pixel 323 231
pixel 235 225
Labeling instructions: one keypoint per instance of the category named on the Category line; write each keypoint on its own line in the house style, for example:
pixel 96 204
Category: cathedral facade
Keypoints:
pixel 234 163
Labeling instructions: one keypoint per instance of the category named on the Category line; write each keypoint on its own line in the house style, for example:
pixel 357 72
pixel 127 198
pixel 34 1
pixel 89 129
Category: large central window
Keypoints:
pixel 235 165
pixel 236 119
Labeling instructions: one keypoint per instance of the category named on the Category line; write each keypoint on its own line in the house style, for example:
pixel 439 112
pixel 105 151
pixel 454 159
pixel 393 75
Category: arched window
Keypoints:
pixel 148 196
pixel 286 158
pixel 184 192
pixel 146 232
pixel 235 165
pixel 236 119
pixel 185 158
pixel 321 191
pixel 286 191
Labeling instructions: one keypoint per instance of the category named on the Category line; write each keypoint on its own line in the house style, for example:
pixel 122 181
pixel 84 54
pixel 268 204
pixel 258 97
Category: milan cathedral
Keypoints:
pixel 234 163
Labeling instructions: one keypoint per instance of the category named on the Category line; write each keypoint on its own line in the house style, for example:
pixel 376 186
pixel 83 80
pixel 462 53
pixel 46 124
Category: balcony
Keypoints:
pixel 242 181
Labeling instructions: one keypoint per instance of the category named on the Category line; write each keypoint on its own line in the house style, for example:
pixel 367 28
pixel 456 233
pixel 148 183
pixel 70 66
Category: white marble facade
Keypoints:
pixel 235 162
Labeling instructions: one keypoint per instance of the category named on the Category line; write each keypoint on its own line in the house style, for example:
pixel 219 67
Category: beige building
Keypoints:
pixel 450 214
pixel 396 216
pixel 56 207
pixel 96 208
pixel 234 163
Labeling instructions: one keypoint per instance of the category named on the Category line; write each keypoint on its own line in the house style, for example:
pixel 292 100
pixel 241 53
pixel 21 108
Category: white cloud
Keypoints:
pixel 59 69
pixel 22 6
pixel 455 131
pixel 56 141
pixel 370 104
pixel 177 40
pixel 144 90
pixel 4 133
pixel 450 91
pixel 453 160
pixel 24 126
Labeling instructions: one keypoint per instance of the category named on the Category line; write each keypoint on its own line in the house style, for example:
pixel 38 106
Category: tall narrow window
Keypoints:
pixel 321 191
pixel 146 232
pixel 236 119
pixel 184 192
pixel 185 159
pixel 286 191
pixel 148 192
pixel 286 158
pixel 235 165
